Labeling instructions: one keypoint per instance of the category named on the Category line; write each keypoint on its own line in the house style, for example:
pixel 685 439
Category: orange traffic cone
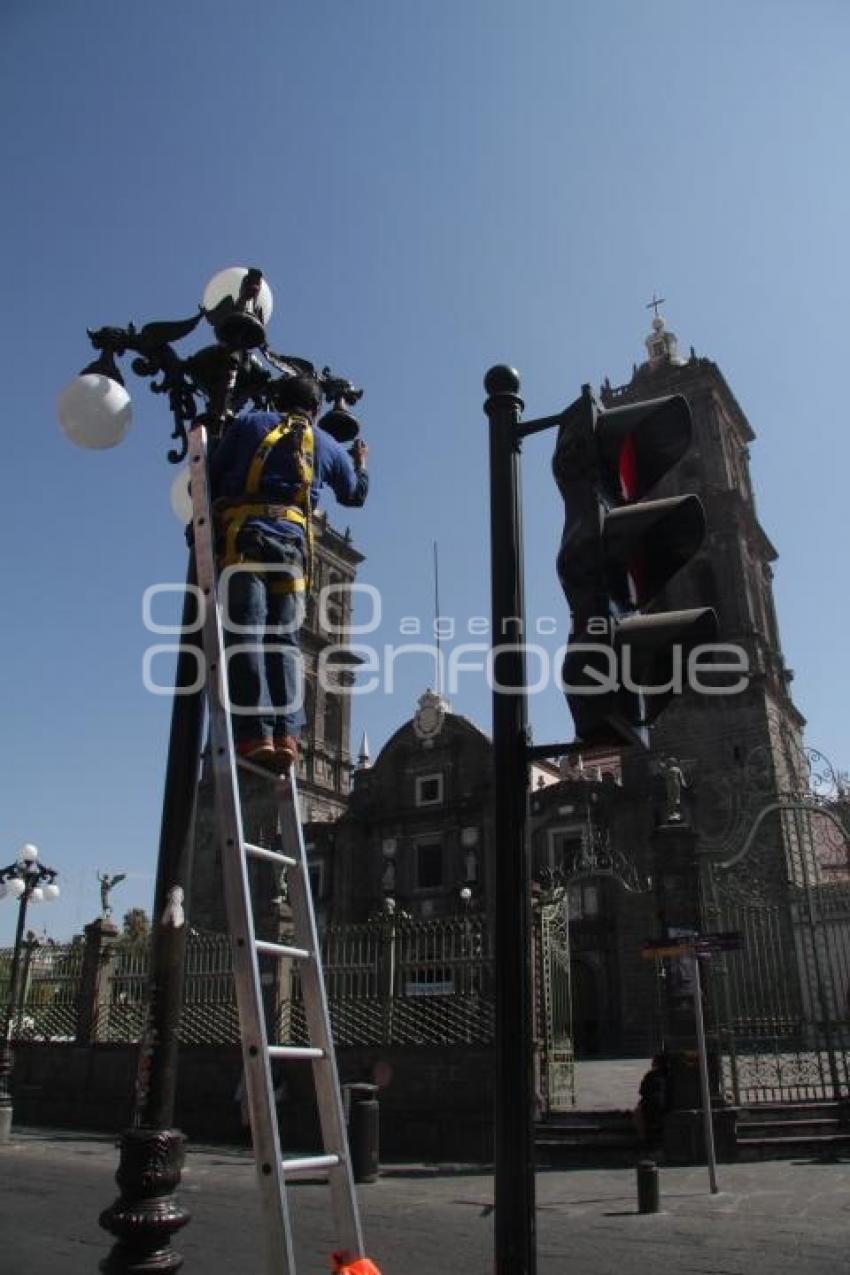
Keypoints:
pixel 345 1264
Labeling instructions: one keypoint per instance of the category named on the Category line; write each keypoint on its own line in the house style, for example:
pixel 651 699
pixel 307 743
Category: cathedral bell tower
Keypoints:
pixel 733 573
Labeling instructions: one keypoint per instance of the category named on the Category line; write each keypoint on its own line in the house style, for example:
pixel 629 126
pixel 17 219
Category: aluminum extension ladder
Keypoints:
pixel 273 1170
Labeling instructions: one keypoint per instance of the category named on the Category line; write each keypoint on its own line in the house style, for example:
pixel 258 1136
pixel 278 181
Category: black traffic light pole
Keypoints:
pixel 618 551
pixel 515 1237
pixel 515 1243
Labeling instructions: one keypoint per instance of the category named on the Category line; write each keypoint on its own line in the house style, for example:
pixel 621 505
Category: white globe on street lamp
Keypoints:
pixel 28 854
pixel 181 500
pixel 15 888
pixel 94 411
pixel 227 284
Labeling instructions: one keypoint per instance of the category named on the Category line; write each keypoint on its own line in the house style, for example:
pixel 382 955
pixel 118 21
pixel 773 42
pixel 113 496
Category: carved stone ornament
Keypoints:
pixel 429 717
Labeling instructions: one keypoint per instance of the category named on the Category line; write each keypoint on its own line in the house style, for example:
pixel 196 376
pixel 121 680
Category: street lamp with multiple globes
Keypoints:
pixel 209 385
pixel 26 880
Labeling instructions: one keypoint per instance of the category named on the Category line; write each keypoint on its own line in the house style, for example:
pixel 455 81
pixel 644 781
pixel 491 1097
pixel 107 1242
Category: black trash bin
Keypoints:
pixel 361 1108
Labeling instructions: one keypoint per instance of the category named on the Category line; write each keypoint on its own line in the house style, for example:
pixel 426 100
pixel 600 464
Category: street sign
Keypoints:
pixel 723 941
pixel 653 950
pixel 698 945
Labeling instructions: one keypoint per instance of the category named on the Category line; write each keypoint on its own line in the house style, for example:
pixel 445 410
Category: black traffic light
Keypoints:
pixel 624 662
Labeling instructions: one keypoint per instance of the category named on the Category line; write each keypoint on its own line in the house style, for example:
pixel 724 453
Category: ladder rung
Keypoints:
pixel 295 1051
pixel 271 856
pixel 309 1164
pixel 281 949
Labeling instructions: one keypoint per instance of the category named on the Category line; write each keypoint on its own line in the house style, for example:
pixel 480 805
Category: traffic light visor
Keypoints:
pixel 638 443
pixel 649 542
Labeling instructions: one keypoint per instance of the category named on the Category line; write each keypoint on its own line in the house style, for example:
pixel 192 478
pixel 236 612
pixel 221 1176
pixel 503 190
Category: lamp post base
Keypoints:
pixel 5 1124
pixel 146 1214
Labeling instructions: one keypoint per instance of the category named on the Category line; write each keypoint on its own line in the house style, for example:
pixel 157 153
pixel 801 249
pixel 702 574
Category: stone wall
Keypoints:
pixel 436 1104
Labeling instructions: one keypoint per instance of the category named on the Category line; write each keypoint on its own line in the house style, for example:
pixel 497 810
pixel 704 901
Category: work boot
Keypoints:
pixel 260 752
pixel 285 753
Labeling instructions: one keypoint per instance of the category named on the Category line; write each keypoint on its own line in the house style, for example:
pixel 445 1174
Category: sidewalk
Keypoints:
pixel 609 1084
pixel 776 1218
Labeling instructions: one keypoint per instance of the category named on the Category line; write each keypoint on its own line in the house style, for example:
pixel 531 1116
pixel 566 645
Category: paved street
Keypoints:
pixel 770 1219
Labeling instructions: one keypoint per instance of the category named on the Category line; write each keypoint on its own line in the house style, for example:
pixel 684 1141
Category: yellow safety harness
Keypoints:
pixel 232 515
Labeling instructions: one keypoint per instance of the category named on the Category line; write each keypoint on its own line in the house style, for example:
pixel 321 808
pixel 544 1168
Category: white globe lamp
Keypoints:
pixel 181 500
pixel 238 303
pixel 227 284
pixel 94 411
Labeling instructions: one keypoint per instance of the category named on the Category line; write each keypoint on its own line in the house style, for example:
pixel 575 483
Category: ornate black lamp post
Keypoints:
pixel 26 879
pixel 94 410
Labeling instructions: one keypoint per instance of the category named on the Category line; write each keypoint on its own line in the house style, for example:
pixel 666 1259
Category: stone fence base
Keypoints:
pixel 435 1104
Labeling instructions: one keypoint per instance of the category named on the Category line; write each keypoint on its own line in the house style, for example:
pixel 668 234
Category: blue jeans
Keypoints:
pixel 265 666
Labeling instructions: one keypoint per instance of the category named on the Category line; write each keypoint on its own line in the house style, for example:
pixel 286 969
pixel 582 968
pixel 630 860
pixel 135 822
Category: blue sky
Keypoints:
pixel 430 188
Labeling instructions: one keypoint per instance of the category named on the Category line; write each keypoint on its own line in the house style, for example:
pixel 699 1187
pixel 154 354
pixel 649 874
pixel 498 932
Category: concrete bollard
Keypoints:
pixel 647 1186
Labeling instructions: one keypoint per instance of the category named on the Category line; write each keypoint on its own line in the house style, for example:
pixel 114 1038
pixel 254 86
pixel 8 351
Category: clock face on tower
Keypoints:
pixel 429 717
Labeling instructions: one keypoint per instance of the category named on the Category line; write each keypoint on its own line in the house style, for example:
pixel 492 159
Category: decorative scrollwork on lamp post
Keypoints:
pixel 26 880
pixel 94 409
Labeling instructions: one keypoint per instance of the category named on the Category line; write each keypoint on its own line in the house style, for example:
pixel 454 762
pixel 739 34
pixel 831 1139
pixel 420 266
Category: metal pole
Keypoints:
pixel 515 1241
pixel 708 1124
pixel 155 1104
pixel 28 947
pixel 146 1214
pixel 14 1007
pixel 6 1059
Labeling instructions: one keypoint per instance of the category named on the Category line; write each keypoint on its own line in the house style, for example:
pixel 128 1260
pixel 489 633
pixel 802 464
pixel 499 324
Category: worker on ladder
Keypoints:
pixel 265 477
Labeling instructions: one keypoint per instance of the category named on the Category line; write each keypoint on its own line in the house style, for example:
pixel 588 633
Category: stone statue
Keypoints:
pixel 108 883
pixel 675 782
pixel 174 914
pixel 470 866
pixel 388 877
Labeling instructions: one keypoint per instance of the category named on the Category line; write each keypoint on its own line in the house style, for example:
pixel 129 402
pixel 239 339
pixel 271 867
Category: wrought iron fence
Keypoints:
pixel 209 1001
pixel 209 1014
pixel 389 981
pixel 402 982
pixel 49 990
pixel 782 1002
pixel 121 1013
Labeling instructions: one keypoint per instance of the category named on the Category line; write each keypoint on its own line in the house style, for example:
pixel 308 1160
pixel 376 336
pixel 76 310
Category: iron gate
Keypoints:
pixel 556 1071
pixel 781 1003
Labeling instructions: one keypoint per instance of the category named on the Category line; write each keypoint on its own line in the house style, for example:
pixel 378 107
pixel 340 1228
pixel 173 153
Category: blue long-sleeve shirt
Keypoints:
pixel 231 458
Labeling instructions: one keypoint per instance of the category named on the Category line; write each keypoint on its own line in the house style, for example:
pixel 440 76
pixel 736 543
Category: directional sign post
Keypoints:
pixel 708 1123
pixel 701 946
